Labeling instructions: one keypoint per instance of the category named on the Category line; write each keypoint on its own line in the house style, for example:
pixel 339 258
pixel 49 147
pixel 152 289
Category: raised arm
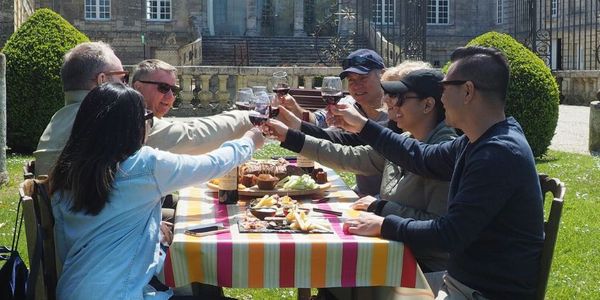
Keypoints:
pixel 200 135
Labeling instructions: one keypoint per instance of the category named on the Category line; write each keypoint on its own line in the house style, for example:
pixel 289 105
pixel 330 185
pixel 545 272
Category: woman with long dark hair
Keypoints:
pixel 106 189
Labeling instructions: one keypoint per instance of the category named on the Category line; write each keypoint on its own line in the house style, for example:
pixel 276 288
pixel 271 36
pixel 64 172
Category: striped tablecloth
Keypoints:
pixel 274 260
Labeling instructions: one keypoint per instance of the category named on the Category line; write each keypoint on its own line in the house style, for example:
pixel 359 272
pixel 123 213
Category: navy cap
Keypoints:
pixel 424 82
pixel 361 61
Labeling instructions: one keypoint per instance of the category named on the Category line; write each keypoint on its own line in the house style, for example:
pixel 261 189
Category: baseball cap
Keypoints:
pixel 361 61
pixel 424 82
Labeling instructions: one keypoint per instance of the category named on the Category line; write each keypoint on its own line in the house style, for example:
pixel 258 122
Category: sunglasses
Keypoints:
pixel 124 79
pixel 452 82
pixel 164 88
pixel 399 99
pixel 361 61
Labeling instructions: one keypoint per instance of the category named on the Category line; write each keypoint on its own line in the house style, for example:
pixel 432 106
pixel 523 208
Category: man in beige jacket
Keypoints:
pixel 90 64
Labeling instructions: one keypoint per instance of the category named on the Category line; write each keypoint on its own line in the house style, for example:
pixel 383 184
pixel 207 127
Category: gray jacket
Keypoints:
pixel 414 196
pixel 194 137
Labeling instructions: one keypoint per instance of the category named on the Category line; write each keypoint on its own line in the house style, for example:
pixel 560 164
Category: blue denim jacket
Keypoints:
pixel 114 254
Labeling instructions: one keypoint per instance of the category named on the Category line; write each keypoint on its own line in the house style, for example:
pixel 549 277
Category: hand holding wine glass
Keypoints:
pixel 280 85
pixel 331 90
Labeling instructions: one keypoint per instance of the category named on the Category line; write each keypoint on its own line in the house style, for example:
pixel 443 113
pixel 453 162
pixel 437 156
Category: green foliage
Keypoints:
pixel 34 90
pixel 532 93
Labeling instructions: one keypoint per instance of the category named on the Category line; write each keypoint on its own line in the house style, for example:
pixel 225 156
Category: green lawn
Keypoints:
pixel 576 258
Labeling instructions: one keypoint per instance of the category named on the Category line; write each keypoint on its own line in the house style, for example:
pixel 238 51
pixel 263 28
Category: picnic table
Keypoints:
pixel 285 260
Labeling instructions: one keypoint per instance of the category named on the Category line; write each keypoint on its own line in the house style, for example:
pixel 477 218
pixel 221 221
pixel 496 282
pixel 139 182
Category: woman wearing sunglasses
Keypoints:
pixel 106 188
pixel 413 101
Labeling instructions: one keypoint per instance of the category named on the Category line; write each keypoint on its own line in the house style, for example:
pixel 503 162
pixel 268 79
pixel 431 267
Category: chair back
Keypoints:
pixel 551 225
pixel 37 212
pixel 29 170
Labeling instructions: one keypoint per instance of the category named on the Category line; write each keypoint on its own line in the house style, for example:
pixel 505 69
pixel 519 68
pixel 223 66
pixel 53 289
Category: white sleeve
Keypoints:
pixel 176 171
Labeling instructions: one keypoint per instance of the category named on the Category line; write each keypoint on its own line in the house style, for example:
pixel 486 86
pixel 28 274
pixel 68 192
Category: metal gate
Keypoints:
pixel 396 29
pixel 564 33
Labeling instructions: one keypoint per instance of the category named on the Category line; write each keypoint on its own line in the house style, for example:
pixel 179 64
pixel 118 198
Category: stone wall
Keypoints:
pixel 127 24
pixel 214 88
pixel 578 87
pixel 7 22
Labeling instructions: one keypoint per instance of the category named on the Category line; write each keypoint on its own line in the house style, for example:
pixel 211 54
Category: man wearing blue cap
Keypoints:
pixel 363 69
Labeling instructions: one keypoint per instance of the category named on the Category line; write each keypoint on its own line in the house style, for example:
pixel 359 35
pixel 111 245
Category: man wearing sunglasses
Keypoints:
pixel 156 81
pixel 84 67
pixel 494 227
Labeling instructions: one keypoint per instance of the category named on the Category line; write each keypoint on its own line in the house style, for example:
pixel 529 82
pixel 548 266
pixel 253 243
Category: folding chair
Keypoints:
pixel 551 225
pixel 37 213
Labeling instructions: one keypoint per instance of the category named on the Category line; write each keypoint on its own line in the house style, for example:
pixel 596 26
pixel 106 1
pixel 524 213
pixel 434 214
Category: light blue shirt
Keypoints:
pixel 114 254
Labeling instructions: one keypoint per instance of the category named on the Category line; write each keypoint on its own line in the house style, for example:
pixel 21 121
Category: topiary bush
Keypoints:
pixel 34 55
pixel 532 97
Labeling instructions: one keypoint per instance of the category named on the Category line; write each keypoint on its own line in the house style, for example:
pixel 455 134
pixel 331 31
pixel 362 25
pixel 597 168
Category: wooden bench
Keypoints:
pixel 309 99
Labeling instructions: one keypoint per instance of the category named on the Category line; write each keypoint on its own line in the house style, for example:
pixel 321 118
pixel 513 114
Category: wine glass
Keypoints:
pixel 244 99
pixel 331 90
pixel 260 114
pixel 280 83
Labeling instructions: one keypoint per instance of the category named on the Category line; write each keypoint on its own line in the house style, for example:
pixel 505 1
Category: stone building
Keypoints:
pixel 161 29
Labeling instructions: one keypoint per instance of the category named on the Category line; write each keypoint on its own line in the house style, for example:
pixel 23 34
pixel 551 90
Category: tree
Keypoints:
pixel 34 56
pixel 532 97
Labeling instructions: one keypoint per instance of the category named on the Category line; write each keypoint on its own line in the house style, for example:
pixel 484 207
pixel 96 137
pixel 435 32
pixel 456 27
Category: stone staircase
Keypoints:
pixel 263 51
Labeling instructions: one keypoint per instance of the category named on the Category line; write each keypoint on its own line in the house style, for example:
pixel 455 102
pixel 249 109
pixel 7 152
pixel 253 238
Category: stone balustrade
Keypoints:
pixel 211 89
pixel 578 87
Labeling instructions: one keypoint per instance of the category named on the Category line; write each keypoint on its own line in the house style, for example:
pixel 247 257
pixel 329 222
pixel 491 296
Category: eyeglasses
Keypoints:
pixel 399 99
pixel 452 82
pixel 361 61
pixel 163 87
pixel 124 79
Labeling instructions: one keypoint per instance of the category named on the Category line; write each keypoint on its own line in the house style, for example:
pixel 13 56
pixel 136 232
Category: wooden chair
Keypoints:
pixel 309 99
pixel 29 170
pixel 37 213
pixel 551 225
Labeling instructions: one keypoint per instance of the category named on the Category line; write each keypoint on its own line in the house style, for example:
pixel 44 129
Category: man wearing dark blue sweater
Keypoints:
pixel 494 226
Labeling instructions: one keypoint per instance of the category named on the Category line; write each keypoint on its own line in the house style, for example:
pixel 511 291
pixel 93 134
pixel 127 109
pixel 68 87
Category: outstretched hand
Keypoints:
pixel 346 117
pixel 256 136
pixel 276 129
pixel 289 119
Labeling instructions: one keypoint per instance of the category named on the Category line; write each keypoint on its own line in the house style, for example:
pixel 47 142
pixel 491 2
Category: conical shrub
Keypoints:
pixel 34 55
pixel 532 97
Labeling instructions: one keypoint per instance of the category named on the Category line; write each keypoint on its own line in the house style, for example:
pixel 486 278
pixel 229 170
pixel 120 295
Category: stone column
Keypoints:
pixel 186 90
pixel 3 172
pixel 308 82
pixel 299 18
pixel 594 140
pixel 223 94
pixel 251 18
pixel 205 94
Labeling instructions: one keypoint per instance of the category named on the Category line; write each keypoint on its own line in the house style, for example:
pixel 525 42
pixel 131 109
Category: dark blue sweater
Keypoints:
pixel 494 226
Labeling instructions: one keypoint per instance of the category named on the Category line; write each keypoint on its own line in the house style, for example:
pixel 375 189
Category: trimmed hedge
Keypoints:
pixel 532 97
pixel 34 55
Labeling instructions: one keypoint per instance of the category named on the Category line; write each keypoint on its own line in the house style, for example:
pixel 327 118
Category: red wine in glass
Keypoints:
pixel 332 99
pixel 258 120
pixel 281 91
pixel 273 111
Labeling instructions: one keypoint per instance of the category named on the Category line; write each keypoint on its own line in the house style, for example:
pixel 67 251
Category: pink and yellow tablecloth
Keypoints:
pixel 274 260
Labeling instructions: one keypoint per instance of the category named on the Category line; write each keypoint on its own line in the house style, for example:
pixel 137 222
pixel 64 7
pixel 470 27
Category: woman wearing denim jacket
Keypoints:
pixel 106 189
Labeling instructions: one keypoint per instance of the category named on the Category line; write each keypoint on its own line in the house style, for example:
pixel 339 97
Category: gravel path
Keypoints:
pixel 572 131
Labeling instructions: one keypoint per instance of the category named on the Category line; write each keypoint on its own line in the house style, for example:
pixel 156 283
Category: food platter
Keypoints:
pixel 254 191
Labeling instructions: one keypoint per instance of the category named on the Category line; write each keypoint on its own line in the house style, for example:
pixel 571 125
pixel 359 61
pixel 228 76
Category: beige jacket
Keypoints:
pixel 193 137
